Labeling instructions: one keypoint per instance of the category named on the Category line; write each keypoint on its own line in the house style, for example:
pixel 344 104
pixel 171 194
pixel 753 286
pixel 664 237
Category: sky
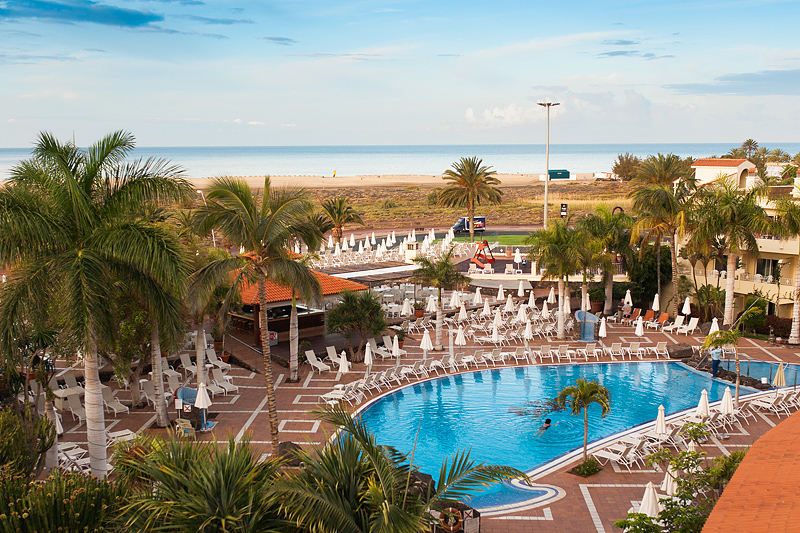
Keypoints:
pixel 294 72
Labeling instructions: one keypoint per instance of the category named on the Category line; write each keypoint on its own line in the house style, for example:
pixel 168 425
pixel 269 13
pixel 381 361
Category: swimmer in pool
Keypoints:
pixel 547 424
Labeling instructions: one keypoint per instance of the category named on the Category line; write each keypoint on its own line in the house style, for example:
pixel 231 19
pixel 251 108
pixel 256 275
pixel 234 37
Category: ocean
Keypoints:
pixel 211 161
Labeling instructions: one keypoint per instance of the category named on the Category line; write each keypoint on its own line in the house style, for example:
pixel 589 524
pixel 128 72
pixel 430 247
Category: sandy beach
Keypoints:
pixel 375 180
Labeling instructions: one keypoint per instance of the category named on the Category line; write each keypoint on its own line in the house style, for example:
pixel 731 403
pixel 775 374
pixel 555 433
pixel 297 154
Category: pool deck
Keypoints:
pixel 588 504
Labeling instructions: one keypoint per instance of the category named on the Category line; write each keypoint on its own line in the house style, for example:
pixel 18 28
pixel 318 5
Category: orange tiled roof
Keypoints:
pixel 279 293
pixel 762 495
pixel 721 162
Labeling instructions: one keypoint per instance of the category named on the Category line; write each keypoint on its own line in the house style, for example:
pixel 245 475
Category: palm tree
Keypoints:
pixel 735 214
pixel 311 294
pixel 556 249
pixel 67 230
pixel 439 273
pixel 789 215
pixel 612 229
pixel 355 485
pixel 750 147
pixel 723 339
pixel 263 227
pixel 580 396
pixel 357 313
pixel 470 184
pixel 338 211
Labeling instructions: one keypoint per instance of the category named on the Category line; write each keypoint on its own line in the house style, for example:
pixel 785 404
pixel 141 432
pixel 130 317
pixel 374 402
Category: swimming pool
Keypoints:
pixel 497 413
pixel 758 369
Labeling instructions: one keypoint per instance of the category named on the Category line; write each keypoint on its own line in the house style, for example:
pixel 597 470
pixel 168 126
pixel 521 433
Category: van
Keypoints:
pixel 461 227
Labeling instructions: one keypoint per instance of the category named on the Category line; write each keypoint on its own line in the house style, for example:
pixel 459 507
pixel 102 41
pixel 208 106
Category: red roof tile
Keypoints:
pixel 721 162
pixel 279 293
pixel 762 495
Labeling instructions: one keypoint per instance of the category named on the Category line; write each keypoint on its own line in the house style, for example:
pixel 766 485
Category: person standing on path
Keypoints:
pixel 716 357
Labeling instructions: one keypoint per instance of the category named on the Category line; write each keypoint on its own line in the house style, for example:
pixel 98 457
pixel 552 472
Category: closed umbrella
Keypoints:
pixel 532 300
pixel 521 289
pixel 202 402
pixel 498 320
pixel 509 307
pixel 650 506
pixel 692 447
pixel 670 484
pixel 687 307
pixel 426 344
pixel 379 252
pixel 486 311
pixel 406 311
pixel 545 310
pixel 413 235
pixel 500 294
pixel 495 333
pixel 726 406
pixel 714 326
pixel 585 304
pixel 517 257
pixel 702 407
pixel 344 366
pixel 368 354
pixel 462 314
pixel 337 250
pixel 352 240
pixel 461 339
pixel 522 315
pixel 528 333
pixel 639 327
pixel 452 346
pixel 394 237
pixel 655 303
pixel 373 238
pixel 603 332
pixel 628 299
pixel 345 247
pixel 455 301
pixel 477 299
pixel 661 421
pixel 567 307
pixel 431 306
pixel 396 347
pixel 367 245
pixel 780 377
pixel 551 298
pixel 360 247
pixel 330 241
pixel 297 248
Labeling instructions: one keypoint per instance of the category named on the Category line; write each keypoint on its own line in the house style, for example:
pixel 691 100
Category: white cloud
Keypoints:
pixel 289 125
pixel 469 115
pixel 550 43
pixel 256 123
pixel 238 121
pixel 12 120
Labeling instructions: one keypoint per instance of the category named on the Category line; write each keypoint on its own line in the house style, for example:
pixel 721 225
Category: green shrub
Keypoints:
pixel 388 204
pixel 757 317
pixel 588 467
pixel 432 198
pixel 24 440
pixel 598 294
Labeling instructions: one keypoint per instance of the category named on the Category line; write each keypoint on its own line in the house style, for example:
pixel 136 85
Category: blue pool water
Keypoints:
pixel 763 369
pixel 497 412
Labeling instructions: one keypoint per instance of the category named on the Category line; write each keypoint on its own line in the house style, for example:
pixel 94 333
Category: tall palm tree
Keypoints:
pixel 439 273
pixel 263 226
pixel 67 232
pixel 355 485
pixel 789 216
pixel 470 183
pixel 735 214
pixel 579 397
pixel 556 249
pixel 612 229
pixel 659 169
pixel 339 212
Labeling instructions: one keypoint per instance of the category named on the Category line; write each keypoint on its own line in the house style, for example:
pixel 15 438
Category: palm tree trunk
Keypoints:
pixel 729 289
pixel 585 431
pixel 609 307
pixel 95 417
pixel 437 345
pixel 560 312
pixel 293 335
pixel 658 266
pixel 673 250
pixel 736 355
pixel 584 292
pixel 162 417
pixel 136 389
pixel 51 459
pixel 337 234
pixel 200 352
pixel 271 405
pixel 794 336
pixel 471 220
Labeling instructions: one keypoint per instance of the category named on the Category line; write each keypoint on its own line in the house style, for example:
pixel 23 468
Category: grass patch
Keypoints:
pixel 504 240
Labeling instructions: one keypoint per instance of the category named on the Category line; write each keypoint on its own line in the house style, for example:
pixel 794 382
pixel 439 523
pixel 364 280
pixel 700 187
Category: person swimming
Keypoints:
pixel 543 428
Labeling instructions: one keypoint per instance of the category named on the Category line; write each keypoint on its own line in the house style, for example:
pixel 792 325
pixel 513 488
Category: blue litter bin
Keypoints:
pixel 587 322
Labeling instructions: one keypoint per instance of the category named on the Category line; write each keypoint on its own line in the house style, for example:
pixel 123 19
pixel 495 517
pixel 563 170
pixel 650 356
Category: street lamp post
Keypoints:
pixel 203 196
pixel 547 105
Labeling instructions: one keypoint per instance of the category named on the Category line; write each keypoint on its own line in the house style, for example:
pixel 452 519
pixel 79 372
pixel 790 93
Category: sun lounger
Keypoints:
pixel 690 327
pixel 675 325
pixel 76 408
pixel 659 350
pixel 315 363
pixel 187 364
pixel 211 353
pixel 122 435
pixel 112 403
pixel 223 381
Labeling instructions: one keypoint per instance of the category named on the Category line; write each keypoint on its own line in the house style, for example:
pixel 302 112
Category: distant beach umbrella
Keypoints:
pixel 702 407
pixel 344 365
pixel 567 307
pixel 517 257
pixel 498 318
pixel 585 305
pixel 451 235
pixel 406 311
pixel 461 339
pixel 522 315
pixel 714 326
pixel 337 250
pixel 670 485
pixel 692 447
pixel 509 307
pixel 297 248
pixel 528 333
pixel 532 300
pixel 500 294
pixel 661 421
pixel 603 331
pixel 650 505
pixel 367 245
pixel 455 301
pixel 373 239
pixel 486 311
pixel 360 247
pixel 687 307
pixel 655 303
pixel 628 300
pixel 477 299
pixel 396 347
pixel 462 313
pixel 330 241
pixel 426 344
pixel 545 310
pixel 495 333
pixel 726 406
pixel 431 305
pixel 241 250
pixel 413 235
pixel 639 327
pixel 202 401
pixel 368 355
pixel 521 289
pixel 780 377
pixel 379 252
pixel 345 247
pixel 352 240
pixel 551 298
pixel 394 237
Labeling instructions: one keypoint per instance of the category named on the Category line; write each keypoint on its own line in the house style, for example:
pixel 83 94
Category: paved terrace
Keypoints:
pixel 588 504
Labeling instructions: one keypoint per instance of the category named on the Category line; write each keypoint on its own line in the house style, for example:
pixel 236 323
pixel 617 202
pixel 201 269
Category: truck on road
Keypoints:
pixel 461 225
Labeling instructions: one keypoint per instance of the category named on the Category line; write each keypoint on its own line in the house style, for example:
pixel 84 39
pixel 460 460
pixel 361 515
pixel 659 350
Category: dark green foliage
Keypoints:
pixel 358 314
pixel 25 438
pixel 588 468
pixel 432 198
pixel 65 501
pixel 711 301
pixel 781 327
pixel 757 317
pixel 642 273
pixel 598 294
pixel 626 166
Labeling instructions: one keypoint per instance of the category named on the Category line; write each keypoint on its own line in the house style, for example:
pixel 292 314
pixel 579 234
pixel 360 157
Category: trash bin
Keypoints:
pixel 588 323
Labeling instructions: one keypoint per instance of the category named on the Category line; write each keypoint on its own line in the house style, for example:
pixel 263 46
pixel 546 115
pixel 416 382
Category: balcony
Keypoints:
pixel 772 245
